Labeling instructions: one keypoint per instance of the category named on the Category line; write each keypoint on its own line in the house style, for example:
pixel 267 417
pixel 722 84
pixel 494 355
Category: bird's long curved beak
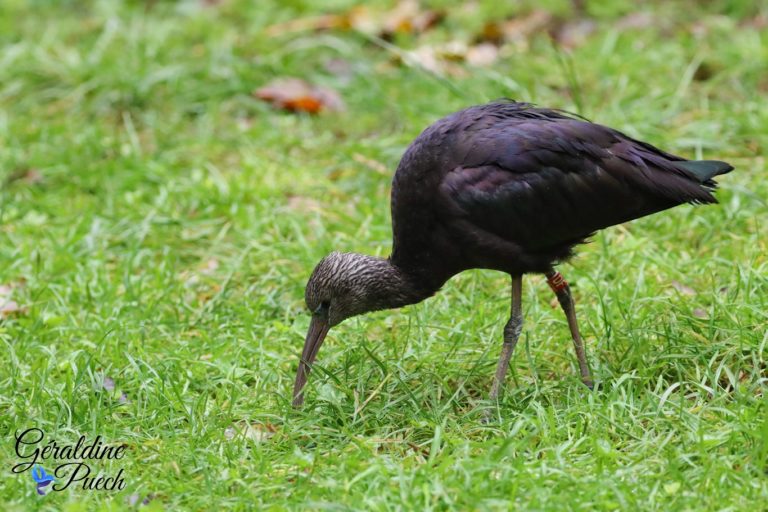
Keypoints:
pixel 318 328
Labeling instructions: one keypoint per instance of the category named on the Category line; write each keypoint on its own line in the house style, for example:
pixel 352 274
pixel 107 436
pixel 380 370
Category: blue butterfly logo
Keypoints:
pixel 42 478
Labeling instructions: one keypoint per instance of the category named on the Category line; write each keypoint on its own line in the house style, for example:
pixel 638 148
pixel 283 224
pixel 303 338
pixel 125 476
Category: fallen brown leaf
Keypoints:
pixel 28 175
pixel 407 17
pixel 303 204
pixel 759 22
pixel 683 288
pixel 340 68
pixel 635 20
pixel 426 57
pixel 574 33
pixel 324 22
pixel 519 28
pixel 8 306
pixel 700 313
pixel 210 266
pixel 491 33
pixel 482 55
pixel 440 60
pixel 296 95
pixel 256 432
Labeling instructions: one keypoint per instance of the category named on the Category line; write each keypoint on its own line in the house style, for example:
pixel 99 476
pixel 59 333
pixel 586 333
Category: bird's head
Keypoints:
pixel 341 286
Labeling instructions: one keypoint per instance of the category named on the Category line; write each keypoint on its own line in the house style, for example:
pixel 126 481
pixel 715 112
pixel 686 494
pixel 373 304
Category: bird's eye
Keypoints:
pixel 322 309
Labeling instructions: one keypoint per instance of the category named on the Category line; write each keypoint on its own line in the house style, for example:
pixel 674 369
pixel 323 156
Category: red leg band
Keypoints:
pixel 557 282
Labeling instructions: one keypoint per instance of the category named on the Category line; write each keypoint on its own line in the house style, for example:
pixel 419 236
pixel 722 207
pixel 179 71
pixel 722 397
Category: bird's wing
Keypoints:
pixel 546 182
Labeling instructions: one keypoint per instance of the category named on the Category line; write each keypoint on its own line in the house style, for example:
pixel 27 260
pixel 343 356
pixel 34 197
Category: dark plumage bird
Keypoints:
pixel 505 186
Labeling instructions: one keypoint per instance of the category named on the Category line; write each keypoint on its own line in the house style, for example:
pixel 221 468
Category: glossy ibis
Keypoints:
pixel 505 186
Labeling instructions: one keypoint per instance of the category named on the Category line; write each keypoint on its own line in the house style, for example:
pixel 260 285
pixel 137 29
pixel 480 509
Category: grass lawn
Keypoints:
pixel 158 224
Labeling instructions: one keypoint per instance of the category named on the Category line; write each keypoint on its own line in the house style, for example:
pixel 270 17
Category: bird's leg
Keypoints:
pixel 511 334
pixel 559 285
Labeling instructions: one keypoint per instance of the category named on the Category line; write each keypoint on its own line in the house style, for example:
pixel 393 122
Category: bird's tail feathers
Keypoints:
pixel 705 170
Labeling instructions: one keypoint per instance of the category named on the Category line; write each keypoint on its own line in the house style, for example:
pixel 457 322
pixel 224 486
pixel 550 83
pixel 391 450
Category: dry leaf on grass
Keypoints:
pixel 303 203
pixel 635 20
pixel 573 33
pixel 210 266
pixel 256 432
pixel 519 28
pixel 296 95
pixel 759 22
pixel 407 17
pixel 323 22
pixel 683 288
pixel 482 55
pixel 8 306
pixel 28 175
pixel 340 68
pixel 569 33
pixel 700 313
pixel 444 59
